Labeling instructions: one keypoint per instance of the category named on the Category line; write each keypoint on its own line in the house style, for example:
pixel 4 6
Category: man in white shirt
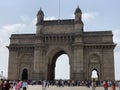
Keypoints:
pixel 44 85
pixel 24 85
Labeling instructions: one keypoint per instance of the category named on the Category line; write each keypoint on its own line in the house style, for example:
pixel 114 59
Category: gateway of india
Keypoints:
pixel 33 56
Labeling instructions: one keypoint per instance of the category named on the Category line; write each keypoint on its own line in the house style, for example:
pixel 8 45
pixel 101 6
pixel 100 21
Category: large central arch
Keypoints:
pixel 52 62
pixel 62 62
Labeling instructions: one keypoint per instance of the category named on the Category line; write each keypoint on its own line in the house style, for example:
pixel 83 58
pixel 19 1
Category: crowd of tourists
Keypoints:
pixel 93 84
pixel 7 85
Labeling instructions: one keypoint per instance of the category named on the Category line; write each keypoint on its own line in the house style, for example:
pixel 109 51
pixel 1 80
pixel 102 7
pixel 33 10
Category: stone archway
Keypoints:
pixel 95 74
pixel 25 74
pixel 69 36
pixel 94 64
pixel 62 61
pixel 51 65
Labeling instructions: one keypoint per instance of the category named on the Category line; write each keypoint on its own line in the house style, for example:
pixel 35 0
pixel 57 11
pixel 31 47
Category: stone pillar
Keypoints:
pixel 77 73
pixel 38 62
pixel 36 59
pixel 13 64
pixel 108 65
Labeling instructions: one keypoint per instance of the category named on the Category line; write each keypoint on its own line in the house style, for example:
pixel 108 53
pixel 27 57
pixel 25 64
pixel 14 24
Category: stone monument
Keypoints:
pixel 33 56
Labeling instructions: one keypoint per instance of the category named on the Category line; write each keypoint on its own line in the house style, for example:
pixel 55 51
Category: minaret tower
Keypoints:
pixel 40 19
pixel 40 16
pixel 78 19
pixel 78 14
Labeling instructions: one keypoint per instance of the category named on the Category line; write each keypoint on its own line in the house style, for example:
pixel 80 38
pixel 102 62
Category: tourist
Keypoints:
pixel 113 86
pixel 106 85
pixel 24 85
pixel 44 85
pixel 62 83
pixel 57 83
pixel 18 85
pixel 7 85
pixel 1 84
pixel 47 83
pixel 93 85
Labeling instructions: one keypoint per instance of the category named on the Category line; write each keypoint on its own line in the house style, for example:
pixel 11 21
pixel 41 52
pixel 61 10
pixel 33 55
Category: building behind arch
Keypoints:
pixel 33 56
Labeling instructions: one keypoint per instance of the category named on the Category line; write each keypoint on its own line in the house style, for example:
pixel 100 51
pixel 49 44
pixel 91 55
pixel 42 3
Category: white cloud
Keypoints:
pixel 50 18
pixel 89 16
pixel 25 18
pixel 116 35
pixel 13 27
pixel 34 21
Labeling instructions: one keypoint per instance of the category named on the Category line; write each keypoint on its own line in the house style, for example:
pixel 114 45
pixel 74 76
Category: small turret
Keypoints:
pixel 40 19
pixel 78 14
pixel 78 21
pixel 40 16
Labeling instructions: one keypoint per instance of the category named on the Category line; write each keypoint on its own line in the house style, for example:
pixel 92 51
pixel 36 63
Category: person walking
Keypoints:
pixel 47 83
pixel 7 85
pixel 106 85
pixel 18 85
pixel 24 85
pixel 44 85
pixel 113 86
pixel 1 84
pixel 93 85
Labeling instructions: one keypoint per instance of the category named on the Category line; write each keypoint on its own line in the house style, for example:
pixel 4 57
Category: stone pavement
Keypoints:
pixel 39 87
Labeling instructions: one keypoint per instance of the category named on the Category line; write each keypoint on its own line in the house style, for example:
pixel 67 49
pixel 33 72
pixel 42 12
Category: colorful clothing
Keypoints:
pixel 18 85
pixel 7 86
pixel 113 86
pixel 106 86
pixel 1 84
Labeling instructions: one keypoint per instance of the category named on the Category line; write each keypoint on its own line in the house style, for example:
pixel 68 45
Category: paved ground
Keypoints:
pixel 39 87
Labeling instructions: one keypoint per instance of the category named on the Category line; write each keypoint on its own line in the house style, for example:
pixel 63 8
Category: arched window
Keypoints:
pixel 94 74
pixel 25 74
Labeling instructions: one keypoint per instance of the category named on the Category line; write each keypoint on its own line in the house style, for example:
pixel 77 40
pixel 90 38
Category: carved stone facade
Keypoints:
pixel 33 56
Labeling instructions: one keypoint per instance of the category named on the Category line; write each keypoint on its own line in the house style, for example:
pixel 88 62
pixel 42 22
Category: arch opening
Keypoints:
pixel 55 69
pixel 25 74
pixel 94 74
pixel 62 69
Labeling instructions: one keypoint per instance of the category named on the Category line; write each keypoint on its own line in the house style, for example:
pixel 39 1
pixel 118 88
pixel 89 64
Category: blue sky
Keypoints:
pixel 19 16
